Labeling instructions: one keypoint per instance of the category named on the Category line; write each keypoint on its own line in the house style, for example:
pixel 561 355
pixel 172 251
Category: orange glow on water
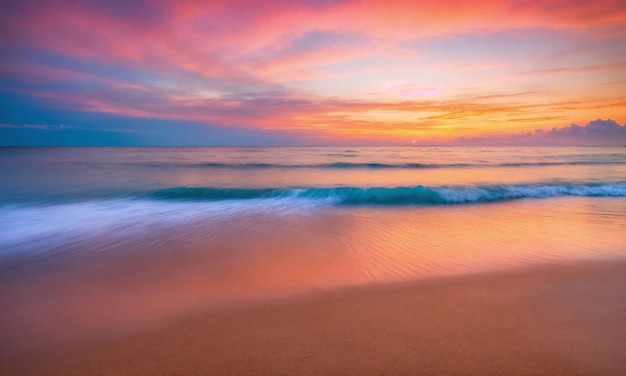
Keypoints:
pixel 201 267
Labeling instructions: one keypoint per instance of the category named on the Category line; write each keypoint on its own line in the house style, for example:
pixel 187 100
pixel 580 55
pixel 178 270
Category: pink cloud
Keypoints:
pixel 242 55
pixel 413 91
pixel 41 73
pixel 221 38
pixel 582 69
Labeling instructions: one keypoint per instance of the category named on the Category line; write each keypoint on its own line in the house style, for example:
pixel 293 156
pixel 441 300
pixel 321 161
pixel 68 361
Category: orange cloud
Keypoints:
pixel 209 36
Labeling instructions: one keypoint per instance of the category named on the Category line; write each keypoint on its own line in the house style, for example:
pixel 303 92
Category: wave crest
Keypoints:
pixel 397 196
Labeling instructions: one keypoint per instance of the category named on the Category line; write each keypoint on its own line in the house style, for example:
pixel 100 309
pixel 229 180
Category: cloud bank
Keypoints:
pixel 595 133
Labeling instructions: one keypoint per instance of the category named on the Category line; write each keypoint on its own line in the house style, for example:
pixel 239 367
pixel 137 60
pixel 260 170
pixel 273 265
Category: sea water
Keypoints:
pixel 156 230
pixel 371 200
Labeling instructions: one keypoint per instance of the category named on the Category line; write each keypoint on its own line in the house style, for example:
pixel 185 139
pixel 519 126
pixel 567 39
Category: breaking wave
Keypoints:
pixel 397 196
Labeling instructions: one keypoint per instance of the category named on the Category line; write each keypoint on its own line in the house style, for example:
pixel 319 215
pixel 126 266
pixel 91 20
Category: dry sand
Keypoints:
pixel 551 319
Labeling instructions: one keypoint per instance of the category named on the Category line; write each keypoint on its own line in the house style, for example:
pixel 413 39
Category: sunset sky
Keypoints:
pixel 311 72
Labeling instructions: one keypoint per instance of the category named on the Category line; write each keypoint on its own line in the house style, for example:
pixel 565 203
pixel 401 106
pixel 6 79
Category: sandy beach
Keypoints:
pixel 549 319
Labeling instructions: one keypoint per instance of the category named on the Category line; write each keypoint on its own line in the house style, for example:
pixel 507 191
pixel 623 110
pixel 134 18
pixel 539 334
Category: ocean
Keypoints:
pixel 155 231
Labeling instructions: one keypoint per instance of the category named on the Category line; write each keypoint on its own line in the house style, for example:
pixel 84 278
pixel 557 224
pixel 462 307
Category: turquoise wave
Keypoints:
pixel 397 196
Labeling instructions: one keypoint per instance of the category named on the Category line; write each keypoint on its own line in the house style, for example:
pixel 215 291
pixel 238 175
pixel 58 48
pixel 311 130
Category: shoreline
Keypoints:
pixel 566 318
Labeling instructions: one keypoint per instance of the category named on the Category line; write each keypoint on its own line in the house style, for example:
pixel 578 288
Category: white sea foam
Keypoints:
pixel 37 227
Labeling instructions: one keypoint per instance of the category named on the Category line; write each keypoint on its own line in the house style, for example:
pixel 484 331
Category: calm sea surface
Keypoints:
pixel 155 231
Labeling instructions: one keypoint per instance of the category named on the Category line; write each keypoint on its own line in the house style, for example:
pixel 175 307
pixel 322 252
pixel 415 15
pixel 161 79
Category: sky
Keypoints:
pixel 323 72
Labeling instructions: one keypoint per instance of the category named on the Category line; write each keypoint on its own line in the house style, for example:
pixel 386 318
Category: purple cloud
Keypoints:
pixel 595 133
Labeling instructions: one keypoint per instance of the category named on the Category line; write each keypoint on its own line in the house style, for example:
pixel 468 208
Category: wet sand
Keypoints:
pixel 553 319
